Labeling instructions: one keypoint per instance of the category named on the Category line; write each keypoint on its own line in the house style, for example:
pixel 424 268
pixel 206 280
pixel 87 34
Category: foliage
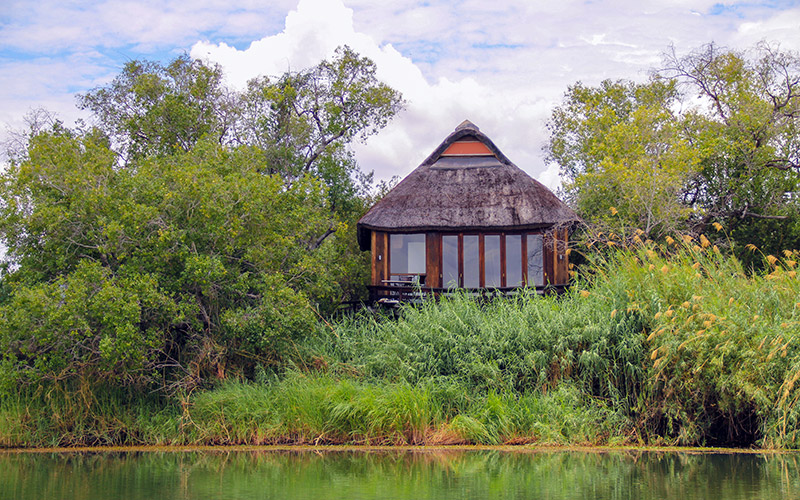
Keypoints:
pixel 152 109
pixel 170 245
pixel 622 151
pixel 207 258
pixel 712 137
pixel 668 343
pixel 321 409
pixel 524 343
pixel 677 337
pixel 89 414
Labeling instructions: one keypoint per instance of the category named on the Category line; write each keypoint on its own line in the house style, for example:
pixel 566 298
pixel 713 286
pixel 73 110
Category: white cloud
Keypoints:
pixel 503 65
pixel 512 117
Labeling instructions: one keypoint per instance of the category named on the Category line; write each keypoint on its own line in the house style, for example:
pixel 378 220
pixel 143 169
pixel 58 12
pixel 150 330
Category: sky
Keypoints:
pixel 502 64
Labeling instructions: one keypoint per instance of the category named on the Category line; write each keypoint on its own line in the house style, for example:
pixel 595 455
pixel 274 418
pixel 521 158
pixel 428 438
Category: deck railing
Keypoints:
pixel 392 293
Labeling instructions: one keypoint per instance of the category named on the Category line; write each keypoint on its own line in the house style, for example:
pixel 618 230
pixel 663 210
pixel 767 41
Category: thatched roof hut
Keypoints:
pixel 467 186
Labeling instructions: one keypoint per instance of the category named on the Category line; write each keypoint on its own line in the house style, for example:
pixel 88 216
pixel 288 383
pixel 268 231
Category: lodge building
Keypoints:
pixel 468 218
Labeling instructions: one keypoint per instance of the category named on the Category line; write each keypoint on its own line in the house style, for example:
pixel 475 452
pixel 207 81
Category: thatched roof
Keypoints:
pixel 465 192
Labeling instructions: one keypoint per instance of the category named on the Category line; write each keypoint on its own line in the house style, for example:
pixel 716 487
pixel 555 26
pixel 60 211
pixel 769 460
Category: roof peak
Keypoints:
pixel 466 124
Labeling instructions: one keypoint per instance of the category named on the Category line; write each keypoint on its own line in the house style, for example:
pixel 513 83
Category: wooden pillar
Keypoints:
pixel 433 258
pixel 380 258
pixel 561 263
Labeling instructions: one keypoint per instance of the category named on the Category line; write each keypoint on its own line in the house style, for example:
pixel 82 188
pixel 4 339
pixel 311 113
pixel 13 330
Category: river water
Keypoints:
pixel 424 474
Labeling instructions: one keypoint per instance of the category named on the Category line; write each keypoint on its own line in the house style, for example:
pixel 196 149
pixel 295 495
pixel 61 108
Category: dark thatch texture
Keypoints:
pixel 461 193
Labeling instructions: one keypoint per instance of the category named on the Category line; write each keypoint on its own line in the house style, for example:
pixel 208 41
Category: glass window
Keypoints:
pixel 491 256
pixel 407 253
pixel 513 260
pixel 450 261
pixel 472 267
pixel 535 260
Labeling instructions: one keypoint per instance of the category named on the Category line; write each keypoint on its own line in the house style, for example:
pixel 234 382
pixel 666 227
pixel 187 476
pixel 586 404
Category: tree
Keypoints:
pixel 152 109
pixel 711 138
pixel 168 245
pixel 746 131
pixel 624 157
pixel 223 256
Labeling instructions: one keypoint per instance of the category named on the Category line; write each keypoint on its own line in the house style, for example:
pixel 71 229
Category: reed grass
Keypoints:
pixel 59 415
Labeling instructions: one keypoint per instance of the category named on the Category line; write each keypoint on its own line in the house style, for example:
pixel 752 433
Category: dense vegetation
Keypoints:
pixel 173 273
pixel 671 344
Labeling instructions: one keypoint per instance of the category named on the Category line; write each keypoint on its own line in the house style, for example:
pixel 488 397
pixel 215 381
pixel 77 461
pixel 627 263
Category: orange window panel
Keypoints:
pixel 467 149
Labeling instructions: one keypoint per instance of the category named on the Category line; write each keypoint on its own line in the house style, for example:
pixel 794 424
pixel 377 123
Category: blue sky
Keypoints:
pixel 503 65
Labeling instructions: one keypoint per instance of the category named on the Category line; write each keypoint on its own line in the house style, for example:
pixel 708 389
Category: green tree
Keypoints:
pixel 623 154
pixel 199 253
pixel 711 138
pixel 745 130
pixel 153 109
pixel 225 256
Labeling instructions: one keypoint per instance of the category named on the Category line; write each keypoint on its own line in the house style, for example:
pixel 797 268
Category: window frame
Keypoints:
pixel 523 248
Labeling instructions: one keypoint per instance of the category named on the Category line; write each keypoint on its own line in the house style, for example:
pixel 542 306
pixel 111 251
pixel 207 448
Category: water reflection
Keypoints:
pixel 397 474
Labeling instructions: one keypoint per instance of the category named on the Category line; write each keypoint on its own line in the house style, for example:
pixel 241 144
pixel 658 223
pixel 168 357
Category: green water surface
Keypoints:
pixel 437 474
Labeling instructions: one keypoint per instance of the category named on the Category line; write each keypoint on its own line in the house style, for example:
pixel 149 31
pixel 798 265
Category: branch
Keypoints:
pixel 322 238
pixel 782 164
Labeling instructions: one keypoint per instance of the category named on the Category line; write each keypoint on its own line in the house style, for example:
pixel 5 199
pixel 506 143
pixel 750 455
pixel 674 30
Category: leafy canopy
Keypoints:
pixel 710 138
pixel 193 232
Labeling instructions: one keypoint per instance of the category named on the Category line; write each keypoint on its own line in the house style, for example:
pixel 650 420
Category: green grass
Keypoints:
pixel 321 409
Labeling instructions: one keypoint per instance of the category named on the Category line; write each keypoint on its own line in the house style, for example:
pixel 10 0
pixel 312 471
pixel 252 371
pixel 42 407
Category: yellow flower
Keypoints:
pixel 670 241
pixel 665 269
pixel 696 265
pixel 613 211
pixel 751 247
pixel 772 259
pixel 584 293
pixel 704 241
pixel 717 226
pixel 687 238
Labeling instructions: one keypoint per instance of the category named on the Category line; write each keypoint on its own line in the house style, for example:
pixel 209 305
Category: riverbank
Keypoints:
pixel 399 448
